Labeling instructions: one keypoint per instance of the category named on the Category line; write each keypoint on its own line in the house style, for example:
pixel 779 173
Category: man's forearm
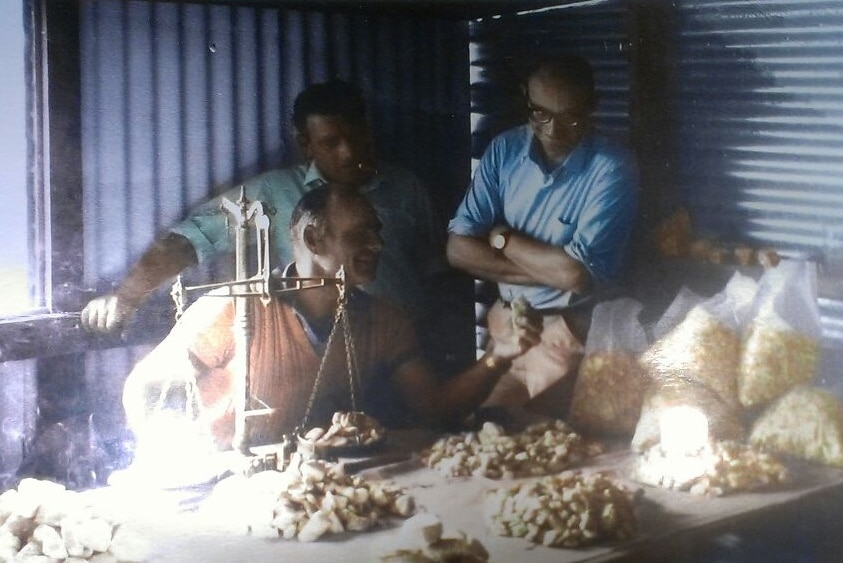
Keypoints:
pixel 165 259
pixel 451 401
pixel 547 265
pixel 476 257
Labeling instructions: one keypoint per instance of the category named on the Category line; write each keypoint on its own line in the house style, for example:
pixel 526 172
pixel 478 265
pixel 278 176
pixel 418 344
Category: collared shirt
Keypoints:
pixel 586 205
pixel 413 237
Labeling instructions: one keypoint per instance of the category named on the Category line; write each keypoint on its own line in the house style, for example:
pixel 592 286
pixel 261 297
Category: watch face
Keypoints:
pixel 499 241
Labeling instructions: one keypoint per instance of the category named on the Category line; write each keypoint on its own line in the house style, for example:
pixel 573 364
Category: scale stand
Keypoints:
pixel 243 215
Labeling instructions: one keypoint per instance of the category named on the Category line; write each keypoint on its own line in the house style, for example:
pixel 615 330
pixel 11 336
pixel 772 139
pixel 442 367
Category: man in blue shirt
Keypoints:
pixel 547 216
pixel 335 139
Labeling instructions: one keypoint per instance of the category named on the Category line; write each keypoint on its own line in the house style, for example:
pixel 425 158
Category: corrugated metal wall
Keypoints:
pixel 180 100
pixel 760 110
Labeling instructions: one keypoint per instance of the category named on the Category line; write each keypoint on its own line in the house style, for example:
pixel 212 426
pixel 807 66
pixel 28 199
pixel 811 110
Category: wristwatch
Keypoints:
pixel 500 240
pixel 496 364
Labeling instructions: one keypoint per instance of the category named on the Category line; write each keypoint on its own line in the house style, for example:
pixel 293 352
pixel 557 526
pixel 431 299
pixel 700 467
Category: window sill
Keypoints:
pixel 53 334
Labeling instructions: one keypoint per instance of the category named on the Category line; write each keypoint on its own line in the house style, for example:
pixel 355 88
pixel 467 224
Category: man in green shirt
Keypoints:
pixel 335 139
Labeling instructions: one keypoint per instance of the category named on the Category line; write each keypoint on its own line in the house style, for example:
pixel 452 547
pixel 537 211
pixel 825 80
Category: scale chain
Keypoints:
pixel 351 361
pixel 320 372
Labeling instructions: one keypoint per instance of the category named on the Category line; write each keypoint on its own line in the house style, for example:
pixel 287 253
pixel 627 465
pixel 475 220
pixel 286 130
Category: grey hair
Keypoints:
pixel 312 208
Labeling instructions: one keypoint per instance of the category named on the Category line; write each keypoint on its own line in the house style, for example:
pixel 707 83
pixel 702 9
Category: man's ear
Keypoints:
pixel 312 239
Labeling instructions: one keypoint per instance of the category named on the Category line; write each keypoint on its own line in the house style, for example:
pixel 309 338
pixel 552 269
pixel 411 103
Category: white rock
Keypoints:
pixel 51 541
pixel 424 528
pixel 8 539
pixel 315 528
pixel 72 543
pixel 53 509
pixel 129 546
pixel 19 525
pixel 94 533
pixel 36 559
pixel 30 549
pixel 7 552
pixel 101 558
pixel 8 501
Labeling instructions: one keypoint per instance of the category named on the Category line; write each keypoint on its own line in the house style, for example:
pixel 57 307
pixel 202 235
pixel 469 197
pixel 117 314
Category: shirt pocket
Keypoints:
pixel 563 231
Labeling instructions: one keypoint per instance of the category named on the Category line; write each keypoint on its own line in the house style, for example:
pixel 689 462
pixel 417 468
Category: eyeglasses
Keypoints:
pixel 541 115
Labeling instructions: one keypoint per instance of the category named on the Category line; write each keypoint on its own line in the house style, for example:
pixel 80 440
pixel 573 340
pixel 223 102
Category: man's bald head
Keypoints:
pixel 336 226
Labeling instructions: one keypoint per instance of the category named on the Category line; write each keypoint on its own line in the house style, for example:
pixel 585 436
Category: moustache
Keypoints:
pixel 367 168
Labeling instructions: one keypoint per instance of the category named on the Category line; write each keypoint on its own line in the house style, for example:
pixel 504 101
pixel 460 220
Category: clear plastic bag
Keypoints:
pixel 806 423
pixel 705 346
pixel 781 346
pixel 696 362
pixel 724 422
pixel 679 308
pixel 611 384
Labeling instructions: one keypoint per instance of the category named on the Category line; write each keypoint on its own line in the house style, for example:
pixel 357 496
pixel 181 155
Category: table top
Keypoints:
pixel 663 516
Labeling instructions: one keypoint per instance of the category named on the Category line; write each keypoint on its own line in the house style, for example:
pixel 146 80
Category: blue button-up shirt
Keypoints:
pixel 586 205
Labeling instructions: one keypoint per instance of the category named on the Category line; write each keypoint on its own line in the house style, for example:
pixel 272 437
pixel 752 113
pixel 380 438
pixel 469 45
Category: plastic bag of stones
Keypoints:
pixel 541 448
pixel 724 422
pixel 570 509
pixel 705 346
pixel 805 423
pixel 42 521
pixel 611 384
pixel 781 347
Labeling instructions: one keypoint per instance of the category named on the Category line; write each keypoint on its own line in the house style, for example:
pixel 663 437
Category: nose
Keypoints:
pixel 557 126
pixel 346 150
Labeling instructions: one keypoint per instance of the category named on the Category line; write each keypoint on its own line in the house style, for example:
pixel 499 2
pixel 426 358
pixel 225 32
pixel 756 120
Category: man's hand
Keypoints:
pixel 164 259
pixel 514 330
pixel 107 314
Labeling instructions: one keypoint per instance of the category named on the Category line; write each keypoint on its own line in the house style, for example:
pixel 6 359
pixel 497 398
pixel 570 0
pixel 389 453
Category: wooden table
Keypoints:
pixel 666 520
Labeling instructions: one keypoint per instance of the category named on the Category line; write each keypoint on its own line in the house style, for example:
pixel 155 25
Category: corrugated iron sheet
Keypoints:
pixel 181 100
pixel 760 90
